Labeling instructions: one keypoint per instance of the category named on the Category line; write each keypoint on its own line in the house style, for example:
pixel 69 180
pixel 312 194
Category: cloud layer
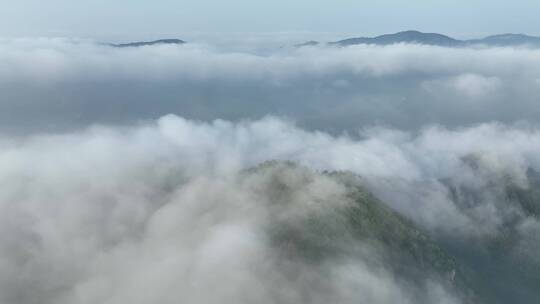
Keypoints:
pixel 163 211
pixel 102 201
pixel 60 84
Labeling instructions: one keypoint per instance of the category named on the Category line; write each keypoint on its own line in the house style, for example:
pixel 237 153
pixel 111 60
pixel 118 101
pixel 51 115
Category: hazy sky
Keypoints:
pixel 130 19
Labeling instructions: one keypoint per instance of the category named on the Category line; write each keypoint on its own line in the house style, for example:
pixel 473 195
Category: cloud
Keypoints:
pixel 59 84
pixel 155 213
pixel 118 206
pixel 473 85
pixel 470 86
pixel 164 211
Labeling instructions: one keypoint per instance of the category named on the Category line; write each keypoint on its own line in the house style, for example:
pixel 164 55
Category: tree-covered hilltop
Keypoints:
pixel 353 224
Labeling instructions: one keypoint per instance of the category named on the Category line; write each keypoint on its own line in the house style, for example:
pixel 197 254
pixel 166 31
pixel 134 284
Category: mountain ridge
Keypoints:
pixel 148 43
pixel 434 39
pixel 469 266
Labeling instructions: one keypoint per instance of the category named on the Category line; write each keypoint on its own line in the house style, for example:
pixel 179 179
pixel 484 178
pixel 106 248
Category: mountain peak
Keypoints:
pixel 148 43
pixel 308 43
pixel 436 39
pixel 410 36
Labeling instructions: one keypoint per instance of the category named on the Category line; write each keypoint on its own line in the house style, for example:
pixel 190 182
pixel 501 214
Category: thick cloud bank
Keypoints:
pixel 436 199
pixel 165 212
pixel 58 84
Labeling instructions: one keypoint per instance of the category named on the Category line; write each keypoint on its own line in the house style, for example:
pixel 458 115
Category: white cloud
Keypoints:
pixel 470 86
pixel 159 212
pixel 76 83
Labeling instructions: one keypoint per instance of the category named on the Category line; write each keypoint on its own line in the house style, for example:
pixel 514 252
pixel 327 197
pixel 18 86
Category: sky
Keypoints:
pixel 138 19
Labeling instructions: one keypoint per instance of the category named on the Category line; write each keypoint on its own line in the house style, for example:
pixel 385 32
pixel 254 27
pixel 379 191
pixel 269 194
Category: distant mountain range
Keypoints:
pixel 147 43
pixel 413 37
pixel 416 37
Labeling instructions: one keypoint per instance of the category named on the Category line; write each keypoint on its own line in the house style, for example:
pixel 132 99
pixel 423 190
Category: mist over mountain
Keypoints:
pixel 59 85
pixel 403 168
pixel 173 207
